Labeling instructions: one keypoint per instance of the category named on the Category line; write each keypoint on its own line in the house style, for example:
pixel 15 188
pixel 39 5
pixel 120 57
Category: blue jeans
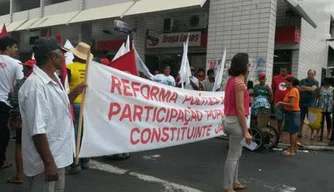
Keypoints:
pixel 304 109
pixel 76 111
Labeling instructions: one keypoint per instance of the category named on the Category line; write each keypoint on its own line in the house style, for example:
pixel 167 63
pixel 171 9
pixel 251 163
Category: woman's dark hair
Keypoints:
pixel 239 64
pixel 77 59
pixel 210 71
pixel 164 67
pixel 7 42
pixel 199 70
pixel 292 80
pixel 326 81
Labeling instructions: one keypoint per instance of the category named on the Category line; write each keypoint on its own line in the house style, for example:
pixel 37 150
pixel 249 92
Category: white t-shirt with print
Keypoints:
pixel 10 71
pixel 167 80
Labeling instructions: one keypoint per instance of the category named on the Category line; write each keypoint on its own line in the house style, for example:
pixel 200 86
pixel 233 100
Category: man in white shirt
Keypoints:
pixel 165 77
pixel 10 71
pixel 47 126
pixel 210 81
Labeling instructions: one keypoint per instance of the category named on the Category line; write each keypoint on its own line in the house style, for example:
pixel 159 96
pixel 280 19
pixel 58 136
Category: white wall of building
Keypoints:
pixel 242 26
pixel 313 53
pixel 64 7
pixel 295 62
pixel 98 3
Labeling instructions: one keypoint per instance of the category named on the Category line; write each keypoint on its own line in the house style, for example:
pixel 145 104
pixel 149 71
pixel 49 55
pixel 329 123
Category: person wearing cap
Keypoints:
pixel 15 123
pixel 262 88
pixel 261 104
pixel 76 76
pixel 10 72
pixel 47 128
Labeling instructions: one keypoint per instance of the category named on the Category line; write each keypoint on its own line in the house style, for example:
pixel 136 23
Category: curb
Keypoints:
pixel 311 147
pixel 307 147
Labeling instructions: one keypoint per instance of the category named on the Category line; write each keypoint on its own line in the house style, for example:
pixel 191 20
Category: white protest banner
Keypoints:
pixel 125 113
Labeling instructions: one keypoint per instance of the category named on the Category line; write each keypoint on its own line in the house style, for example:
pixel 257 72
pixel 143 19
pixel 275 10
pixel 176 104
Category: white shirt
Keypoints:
pixel 45 109
pixel 167 80
pixel 10 71
pixel 194 80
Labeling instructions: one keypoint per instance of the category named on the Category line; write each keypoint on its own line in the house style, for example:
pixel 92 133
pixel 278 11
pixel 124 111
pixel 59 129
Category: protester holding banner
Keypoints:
pixel 165 77
pixel 47 128
pixel 236 105
pixel 77 76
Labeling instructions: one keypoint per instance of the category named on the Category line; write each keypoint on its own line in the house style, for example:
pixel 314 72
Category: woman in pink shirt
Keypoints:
pixel 236 107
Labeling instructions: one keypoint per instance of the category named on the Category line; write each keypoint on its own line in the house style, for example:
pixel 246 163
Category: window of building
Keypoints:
pixel 23 5
pixel 58 1
pixel 4 7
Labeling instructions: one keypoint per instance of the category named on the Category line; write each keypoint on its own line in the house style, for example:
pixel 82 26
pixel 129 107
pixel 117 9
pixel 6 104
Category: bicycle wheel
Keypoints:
pixel 257 137
pixel 272 137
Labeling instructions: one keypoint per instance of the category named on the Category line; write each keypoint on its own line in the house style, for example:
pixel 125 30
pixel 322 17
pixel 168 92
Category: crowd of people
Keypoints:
pixel 33 97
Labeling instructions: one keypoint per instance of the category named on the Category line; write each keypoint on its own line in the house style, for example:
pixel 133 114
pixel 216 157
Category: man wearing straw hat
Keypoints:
pixel 47 127
pixel 76 76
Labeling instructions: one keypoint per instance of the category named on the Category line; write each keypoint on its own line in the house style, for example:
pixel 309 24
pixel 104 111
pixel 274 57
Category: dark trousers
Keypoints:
pixel 4 131
pixel 332 136
pixel 327 116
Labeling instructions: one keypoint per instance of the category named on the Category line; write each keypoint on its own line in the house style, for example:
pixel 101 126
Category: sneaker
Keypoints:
pixel 73 170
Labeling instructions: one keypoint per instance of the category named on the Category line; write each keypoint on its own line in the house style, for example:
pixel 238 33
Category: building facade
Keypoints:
pixel 275 33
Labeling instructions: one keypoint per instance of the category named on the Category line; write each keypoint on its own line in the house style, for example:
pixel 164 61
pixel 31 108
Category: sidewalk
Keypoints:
pixel 305 139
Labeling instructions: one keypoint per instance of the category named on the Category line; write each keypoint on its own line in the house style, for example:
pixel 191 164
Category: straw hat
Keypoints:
pixel 81 51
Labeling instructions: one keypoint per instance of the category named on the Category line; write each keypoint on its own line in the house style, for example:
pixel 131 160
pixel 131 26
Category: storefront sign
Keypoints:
pixel 174 40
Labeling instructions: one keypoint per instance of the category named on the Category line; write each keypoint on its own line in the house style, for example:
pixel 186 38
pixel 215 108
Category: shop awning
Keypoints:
pixel 53 20
pixel 13 26
pixel 148 6
pixel 115 10
pixel 300 11
pixel 26 24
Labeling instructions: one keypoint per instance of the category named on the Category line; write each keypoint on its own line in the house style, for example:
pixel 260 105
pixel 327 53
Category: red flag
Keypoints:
pixel 59 39
pixel 126 62
pixel 4 32
pixel 48 33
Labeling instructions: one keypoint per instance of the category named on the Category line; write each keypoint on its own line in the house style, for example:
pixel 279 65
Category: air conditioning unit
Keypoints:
pixel 197 21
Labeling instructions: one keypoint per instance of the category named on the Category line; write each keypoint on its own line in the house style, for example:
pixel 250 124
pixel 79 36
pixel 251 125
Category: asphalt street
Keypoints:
pixel 197 167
